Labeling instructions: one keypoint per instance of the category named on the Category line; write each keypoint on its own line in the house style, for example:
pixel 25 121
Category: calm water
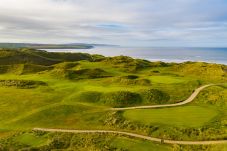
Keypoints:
pixel 213 55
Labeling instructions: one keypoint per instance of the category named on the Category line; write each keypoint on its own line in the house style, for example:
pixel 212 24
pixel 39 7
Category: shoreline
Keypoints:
pixel 99 50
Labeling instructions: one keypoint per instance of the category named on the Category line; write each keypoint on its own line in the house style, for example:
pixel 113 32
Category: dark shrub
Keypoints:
pixel 131 77
pixel 155 96
pixel 23 84
pixel 87 74
pixel 121 98
pixel 126 63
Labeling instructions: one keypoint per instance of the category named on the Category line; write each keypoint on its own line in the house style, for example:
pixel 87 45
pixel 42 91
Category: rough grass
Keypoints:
pixel 78 142
pixel 38 57
pixel 66 72
pixel 127 64
pixel 203 70
pixel 31 140
pixel 167 79
pixel 155 96
pixel 128 80
pixel 90 96
pixel 23 84
pixel 121 99
pixel 215 95
pixel 187 116
pixel 138 145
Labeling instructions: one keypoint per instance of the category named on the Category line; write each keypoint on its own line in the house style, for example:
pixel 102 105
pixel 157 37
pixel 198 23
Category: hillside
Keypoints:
pixel 32 56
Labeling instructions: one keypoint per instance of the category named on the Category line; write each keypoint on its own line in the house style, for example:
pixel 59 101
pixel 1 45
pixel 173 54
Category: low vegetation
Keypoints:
pixel 155 96
pixel 24 84
pixel 121 99
pixel 130 80
pixel 76 91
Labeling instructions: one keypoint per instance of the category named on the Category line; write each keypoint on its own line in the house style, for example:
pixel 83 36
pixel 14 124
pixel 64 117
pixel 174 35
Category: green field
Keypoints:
pixel 76 91
pixel 186 116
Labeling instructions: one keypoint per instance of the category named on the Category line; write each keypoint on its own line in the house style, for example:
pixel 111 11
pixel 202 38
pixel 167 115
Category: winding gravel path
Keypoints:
pixel 190 99
pixel 134 135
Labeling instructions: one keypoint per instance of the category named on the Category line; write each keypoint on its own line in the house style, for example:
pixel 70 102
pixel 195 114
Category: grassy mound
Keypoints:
pixel 31 68
pixel 90 96
pixel 200 69
pixel 167 79
pixel 22 84
pixel 159 64
pixel 16 56
pixel 63 70
pixel 89 74
pixel 127 63
pixel 155 96
pixel 114 99
pixel 124 98
pixel 72 70
pixel 214 95
pixel 38 57
pixel 80 74
pixel 60 56
pixel 20 69
pixel 130 80
pixel 66 65
pixel 120 99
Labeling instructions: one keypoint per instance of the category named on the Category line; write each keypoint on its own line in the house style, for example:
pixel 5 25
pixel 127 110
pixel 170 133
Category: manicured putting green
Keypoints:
pixel 167 79
pixel 188 116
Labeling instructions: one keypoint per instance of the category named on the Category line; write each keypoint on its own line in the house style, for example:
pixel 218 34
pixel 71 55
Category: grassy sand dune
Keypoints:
pixel 76 91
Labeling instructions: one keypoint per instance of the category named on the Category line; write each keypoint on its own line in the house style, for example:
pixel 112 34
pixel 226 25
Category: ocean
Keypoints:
pixel 211 55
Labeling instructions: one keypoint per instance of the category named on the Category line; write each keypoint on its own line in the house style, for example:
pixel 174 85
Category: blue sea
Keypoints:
pixel 165 54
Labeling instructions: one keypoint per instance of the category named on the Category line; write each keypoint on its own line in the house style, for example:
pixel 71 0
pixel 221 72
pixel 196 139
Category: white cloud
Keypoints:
pixel 114 21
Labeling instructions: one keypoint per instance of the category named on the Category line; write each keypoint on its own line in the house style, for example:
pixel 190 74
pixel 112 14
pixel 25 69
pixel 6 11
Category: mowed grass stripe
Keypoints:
pixel 188 116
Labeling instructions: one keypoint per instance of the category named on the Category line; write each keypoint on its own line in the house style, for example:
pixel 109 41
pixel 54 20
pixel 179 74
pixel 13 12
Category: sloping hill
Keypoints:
pixel 38 57
pixel 201 69
pixel 127 63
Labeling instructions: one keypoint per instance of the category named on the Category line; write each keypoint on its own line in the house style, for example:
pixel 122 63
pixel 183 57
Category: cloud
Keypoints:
pixel 124 22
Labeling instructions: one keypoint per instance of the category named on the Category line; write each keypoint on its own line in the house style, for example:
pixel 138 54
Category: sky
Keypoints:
pixel 194 23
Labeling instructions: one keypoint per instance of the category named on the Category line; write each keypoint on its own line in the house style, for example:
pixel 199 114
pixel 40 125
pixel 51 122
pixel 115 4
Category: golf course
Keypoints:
pixel 79 101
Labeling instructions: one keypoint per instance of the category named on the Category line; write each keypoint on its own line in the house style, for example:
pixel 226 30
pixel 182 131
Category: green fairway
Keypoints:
pixel 188 116
pixel 23 100
pixel 167 79
pixel 61 116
